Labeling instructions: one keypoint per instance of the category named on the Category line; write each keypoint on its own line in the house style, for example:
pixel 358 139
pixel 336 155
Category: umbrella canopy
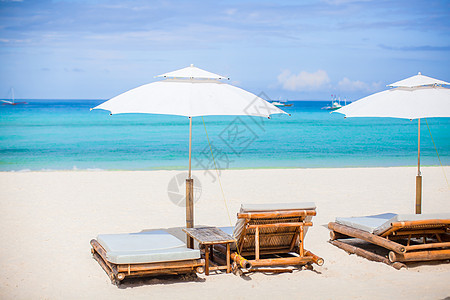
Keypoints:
pixel 406 103
pixel 418 80
pixel 416 97
pixel 190 97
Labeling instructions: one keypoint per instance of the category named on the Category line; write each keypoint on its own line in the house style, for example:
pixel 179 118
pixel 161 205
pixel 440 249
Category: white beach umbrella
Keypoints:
pixel 190 92
pixel 413 98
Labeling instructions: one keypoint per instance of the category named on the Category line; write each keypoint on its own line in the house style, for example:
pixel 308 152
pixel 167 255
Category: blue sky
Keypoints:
pixel 304 50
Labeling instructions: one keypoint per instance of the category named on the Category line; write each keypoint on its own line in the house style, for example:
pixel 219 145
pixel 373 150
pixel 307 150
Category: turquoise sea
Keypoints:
pixel 66 135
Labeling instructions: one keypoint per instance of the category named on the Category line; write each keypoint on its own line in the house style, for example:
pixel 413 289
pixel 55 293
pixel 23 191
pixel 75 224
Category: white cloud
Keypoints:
pixel 303 80
pixel 356 85
pixel 231 11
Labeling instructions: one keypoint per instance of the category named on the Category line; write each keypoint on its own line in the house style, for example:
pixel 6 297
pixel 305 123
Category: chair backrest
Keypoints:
pixel 410 225
pixel 278 226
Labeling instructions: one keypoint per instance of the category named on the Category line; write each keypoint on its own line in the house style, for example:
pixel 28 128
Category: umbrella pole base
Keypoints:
pixel 190 210
pixel 418 194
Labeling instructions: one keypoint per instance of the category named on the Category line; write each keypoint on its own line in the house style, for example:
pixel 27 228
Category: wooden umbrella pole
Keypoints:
pixel 418 149
pixel 190 145
pixel 418 178
pixel 190 193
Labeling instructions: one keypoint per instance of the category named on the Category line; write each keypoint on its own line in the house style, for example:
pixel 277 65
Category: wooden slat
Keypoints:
pixel 427 246
pixel 274 234
pixel 266 251
pixel 294 239
pixel 422 226
pixel 416 233
pixel 280 225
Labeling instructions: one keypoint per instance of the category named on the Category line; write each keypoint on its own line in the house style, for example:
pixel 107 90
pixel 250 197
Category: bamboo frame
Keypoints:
pixel 433 234
pixel 118 272
pixel 267 235
pixel 366 236
pixel 427 255
pixel 283 261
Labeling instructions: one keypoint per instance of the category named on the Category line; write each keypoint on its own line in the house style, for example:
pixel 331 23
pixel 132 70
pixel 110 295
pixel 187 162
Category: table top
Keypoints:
pixel 209 235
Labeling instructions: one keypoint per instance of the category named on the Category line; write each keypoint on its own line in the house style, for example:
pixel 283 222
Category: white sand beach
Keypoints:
pixel 48 218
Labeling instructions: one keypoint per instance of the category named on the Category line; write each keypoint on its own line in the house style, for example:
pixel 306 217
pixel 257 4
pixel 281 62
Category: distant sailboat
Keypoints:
pixel 281 104
pixel 335 103
pixel 12 102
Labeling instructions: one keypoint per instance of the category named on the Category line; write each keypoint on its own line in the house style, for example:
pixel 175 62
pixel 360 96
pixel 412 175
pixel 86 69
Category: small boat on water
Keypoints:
pixel 12 102
pixel 335 103
pixel 333 106
pixel 281 104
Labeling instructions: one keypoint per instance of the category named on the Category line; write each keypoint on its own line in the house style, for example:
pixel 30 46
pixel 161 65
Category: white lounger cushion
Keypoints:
pixel 368 223
pixel 276 206
pixel 378 224
pixel 145 247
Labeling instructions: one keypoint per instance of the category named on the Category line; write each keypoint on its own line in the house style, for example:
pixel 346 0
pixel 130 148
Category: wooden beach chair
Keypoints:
pixel 271 235
pixel 408 238
pixel 148 253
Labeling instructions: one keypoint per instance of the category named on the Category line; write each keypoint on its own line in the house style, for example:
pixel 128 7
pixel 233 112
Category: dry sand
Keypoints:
pixel 48 218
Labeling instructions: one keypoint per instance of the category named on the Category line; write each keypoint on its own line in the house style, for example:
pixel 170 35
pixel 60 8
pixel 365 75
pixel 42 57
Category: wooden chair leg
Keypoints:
pixel 257 243
pixel 228 258
pixel 206 260
pixel 301 245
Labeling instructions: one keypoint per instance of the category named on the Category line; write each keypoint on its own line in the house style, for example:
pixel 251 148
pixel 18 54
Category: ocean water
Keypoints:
pixel 66 135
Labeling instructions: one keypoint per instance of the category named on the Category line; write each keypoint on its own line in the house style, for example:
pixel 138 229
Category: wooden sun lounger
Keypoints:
pixel 410 238
pixel 273 235
pixel 144 254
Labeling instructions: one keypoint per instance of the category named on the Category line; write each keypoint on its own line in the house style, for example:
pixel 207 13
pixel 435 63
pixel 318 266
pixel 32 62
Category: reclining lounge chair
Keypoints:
pixel 409 238
pixel 148 253
pixel 269 235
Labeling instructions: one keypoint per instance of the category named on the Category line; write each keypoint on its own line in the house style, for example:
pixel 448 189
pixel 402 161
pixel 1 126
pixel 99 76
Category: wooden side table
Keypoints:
pixel 208 237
